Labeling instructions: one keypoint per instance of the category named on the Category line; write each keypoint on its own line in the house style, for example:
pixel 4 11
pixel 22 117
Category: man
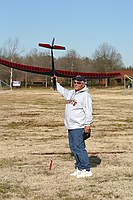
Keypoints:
pixel 78 119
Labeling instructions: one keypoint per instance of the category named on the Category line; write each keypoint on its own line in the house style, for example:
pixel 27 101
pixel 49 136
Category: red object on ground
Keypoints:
pixel 50 166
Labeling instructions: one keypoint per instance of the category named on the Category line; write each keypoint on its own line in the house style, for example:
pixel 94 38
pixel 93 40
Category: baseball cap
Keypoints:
pixel 79 78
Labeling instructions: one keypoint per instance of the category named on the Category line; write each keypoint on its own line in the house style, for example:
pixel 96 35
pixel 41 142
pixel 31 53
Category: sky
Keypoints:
pixel 81 25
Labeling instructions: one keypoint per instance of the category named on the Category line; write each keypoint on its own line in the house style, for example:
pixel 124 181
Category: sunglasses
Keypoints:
pixel 76 82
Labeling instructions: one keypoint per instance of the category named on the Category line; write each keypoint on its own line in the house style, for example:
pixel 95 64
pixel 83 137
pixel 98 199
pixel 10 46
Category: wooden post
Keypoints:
pixel 106 82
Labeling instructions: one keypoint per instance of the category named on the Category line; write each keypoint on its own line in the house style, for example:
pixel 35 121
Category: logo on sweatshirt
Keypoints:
pixel 71 101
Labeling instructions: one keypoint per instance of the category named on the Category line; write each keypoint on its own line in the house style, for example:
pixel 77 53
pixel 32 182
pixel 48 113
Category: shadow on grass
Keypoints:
pixel 94 161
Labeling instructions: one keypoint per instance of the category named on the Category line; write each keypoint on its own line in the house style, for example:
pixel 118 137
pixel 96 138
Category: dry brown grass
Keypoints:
pixel 32 134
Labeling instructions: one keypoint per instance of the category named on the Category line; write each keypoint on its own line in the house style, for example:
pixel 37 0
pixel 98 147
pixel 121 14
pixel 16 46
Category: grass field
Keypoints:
pixel 32 133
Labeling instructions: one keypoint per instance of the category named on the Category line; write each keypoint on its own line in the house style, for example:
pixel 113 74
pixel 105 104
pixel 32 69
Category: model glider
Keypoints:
pixel 52 72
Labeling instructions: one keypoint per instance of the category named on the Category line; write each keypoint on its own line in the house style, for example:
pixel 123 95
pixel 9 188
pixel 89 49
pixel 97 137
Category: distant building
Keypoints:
pixel 126 78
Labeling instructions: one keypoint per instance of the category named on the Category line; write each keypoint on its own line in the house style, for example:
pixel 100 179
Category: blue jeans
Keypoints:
pixel 78 148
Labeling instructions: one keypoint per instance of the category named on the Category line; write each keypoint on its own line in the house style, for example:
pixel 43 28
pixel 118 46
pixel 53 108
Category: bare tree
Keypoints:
pixel 11 50
pixel 106 58
pixel 71 61
pixel 40 59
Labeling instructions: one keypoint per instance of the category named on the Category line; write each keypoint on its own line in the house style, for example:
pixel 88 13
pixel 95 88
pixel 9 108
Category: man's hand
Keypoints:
pixel 87 132
pixel 54 80
pixel 54 77
pixel 87 129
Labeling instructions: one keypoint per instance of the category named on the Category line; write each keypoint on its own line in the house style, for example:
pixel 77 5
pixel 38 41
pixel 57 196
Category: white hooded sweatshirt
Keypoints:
pixel 78 111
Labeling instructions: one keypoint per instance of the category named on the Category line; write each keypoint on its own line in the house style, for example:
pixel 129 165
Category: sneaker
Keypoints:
pixel 84 174
pixel 76 172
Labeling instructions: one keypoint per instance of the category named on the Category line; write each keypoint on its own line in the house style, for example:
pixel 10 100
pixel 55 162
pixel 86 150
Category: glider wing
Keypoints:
pixel 59 73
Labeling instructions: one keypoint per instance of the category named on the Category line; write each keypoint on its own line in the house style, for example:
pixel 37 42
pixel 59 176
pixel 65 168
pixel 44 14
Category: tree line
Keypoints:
pixel 105 59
